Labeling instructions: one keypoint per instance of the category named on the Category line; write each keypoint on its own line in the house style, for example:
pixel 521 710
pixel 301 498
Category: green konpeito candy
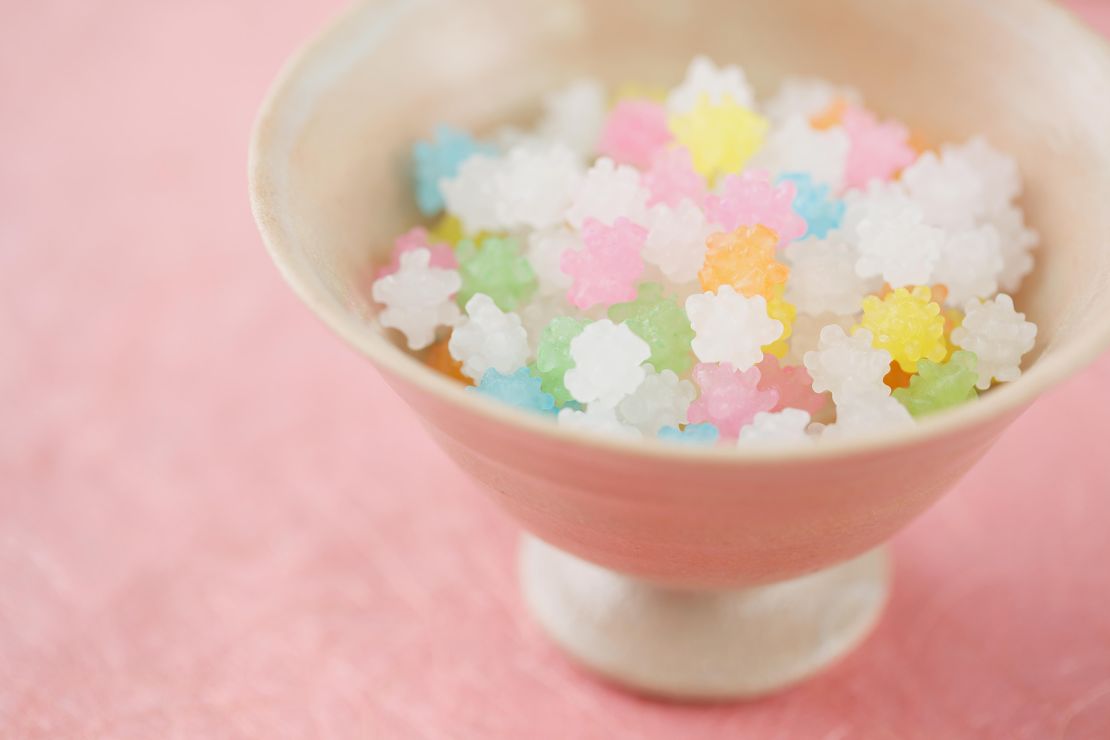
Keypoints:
pixel 938 386
pixel 553 355
pixel 496 268
pixel 661 323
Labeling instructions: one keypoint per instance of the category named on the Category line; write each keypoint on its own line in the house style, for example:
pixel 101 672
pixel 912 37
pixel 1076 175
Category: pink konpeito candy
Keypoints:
pixel 751 199
pixel 634 132
pixel 607 267
pixel 443 256
pixel 728 399
pixel 879 150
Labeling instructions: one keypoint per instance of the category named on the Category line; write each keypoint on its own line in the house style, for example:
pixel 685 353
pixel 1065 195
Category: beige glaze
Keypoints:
pixel 329 192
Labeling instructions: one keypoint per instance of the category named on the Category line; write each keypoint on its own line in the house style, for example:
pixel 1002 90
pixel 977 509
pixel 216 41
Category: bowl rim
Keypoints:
pixel 285 105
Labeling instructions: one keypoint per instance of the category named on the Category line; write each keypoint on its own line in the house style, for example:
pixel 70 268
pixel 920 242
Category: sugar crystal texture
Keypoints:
pixel 417 298
pixel 676 240
pixel 607 364
pixel 908 324
pixel 948 190
pixel 694 434
pixel 744 259
pixel 609 192
pixel 752 199
pixel 440 158
pixel 553 358
pixel 660 322
pixel 862 413
pixel 607 267
pixel 847 365
pixel 1000 180
pixel 488 337
pixel 878 149
pixel 936 386
pixel 660 400
pixel 776 428
pixel 998 335
pixel 535 185
pixel 823 277
pixel 728 398
pixel 519 388
pixel 497 268
pixel 811 256
pixel 969 265
pixel 471 194
pixel 635 131
pixel 895 243
pixel 721 137
pixel 715 84
pixel 730 327
pixel 671 178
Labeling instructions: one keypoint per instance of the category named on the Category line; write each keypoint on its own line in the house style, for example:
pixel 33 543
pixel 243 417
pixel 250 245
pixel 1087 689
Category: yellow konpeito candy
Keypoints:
pixel 907 324
pixel 780 309
pixel 721 137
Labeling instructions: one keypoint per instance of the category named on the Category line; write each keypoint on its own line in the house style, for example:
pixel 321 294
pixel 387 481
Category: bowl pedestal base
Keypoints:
pixel 702 645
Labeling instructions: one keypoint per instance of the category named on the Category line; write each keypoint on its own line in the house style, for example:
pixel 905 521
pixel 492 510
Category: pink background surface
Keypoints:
pixel 216 521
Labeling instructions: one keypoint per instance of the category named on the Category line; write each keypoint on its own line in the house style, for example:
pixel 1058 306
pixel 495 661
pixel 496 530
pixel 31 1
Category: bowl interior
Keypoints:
pixel 1025 75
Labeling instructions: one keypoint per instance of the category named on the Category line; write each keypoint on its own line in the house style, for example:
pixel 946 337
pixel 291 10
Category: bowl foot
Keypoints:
pixel 702 645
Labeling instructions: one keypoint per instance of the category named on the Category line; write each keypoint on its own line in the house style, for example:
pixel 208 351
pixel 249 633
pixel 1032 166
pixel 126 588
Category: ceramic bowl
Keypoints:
pixel 690 572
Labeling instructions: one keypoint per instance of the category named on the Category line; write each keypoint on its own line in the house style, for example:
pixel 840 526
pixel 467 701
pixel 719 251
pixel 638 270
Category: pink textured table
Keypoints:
pixel 216 521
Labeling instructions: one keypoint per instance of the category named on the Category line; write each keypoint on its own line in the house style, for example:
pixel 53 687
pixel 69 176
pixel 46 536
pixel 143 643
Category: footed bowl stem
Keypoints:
pixel 702 645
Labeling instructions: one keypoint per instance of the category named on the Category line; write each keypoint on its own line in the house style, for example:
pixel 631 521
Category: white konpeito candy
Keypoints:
pixel 607 364
pixel 535 185
pixel 676 240
pixel 861 413
pixel 471 195
pixel 417 298
pixel 806 333
pixel 795 146
pixel 703 77
pixel 488 337
pixel 609 191
pixel 970 263
pixel 660 400
pixel 823 276
pixel 1017 241
pixel 730 327
pixel 770 428
pixel 998 335
pixel 894 243
pixel 847 364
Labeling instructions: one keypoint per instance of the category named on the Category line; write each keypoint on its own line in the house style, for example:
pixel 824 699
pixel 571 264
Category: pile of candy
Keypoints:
pixel 700 267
